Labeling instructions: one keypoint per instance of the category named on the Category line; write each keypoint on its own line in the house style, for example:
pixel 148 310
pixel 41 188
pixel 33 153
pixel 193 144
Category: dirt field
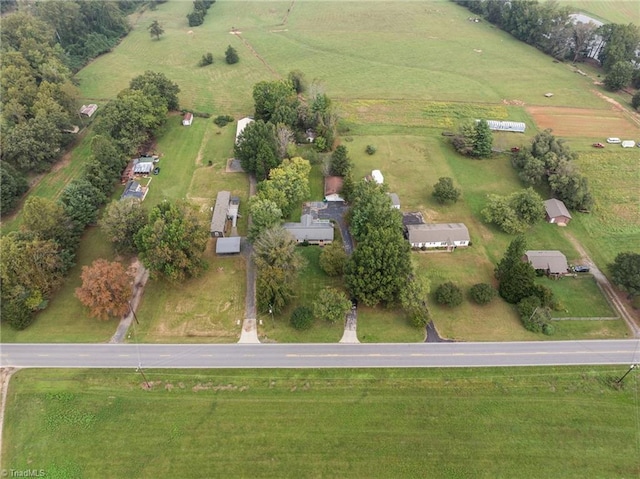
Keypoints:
pixel 578 122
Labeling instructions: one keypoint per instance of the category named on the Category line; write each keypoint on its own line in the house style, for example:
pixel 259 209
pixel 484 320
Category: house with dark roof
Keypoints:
pixel 220 212
pixel 311 230
pixel 438 235
pixel 395 200
pixel 135 190
pixel 557 212
pixel 552 262
pixel 333 187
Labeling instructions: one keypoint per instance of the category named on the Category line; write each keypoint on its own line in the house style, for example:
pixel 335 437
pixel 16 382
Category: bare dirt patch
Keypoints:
pixel 582 122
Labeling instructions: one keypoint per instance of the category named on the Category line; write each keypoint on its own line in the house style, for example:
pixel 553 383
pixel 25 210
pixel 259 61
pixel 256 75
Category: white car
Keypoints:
pixel 614 140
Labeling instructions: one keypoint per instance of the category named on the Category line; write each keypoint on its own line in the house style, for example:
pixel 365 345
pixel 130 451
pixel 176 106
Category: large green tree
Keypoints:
pixel 413 299
pixel 256 149
pixel 371 210
pixel 445 192
pixel 278 264
pixel 156 84
pixel 155 29
pixel 120 223
pixel 515 213
pixel 333 258
pixel 379 267
pixel 341 164
pixel 171 244
pixel 331 305
pixel 269 96
pixel 619 76
pixel 12 186
pixel 482 140
pixel 264 215
pixel 288 184
pixel 81 201
pixel 625 272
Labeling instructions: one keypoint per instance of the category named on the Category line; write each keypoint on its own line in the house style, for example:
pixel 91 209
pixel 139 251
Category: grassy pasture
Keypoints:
pixel 314 423
pixel 203 309
pixel 608 11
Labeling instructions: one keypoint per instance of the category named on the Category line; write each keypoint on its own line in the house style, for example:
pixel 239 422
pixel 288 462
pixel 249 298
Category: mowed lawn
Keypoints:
pixel 441 423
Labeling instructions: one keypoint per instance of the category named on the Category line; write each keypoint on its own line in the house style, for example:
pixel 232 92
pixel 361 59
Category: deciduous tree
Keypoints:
pixel 619 76
pixel 448 294
pixel 106 289
pixel 155 29
pixel 413 299
pixel 172 243
pixel 264 215
pixel 331 305
pixel 625 272
pixel 121 222
pixel 157 84
pixel 257 149
pixel 12 186
pixel 482 293
pixel 333 258
pixel 288 184
pixel 231 55
pixel 277 263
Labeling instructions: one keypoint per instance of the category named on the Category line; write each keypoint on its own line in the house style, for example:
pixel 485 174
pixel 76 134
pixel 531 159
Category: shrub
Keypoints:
pixel 195 18
pixel 206 60
pixel 223 120
pixel 231 55
pixel 370 149
pixel 302 318
pixel 448 294
pixel 320 143
pixel 482 293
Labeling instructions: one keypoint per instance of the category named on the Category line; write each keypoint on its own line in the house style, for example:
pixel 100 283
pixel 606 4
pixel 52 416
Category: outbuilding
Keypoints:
pixel 220 211
pixel 228 245
pixel 515 126
pixel 552 262
pixel 557 212
pixel 242 124
pixel 377 176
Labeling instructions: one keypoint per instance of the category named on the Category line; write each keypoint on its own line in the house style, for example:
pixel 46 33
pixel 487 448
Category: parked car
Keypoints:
pixel 614 140
pixel 598 145
pixel 580 268
pixel 156 170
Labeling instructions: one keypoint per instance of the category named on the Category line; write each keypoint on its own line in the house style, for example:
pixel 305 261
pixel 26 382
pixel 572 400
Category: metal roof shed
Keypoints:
pixel 515 126
pixel 220 210
pixel 228 245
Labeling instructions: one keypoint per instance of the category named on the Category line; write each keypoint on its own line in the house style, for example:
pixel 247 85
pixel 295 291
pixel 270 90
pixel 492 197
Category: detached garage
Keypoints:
pixel 228 245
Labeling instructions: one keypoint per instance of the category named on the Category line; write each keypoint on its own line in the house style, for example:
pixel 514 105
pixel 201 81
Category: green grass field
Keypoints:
pixel 398 79
pixel 442 423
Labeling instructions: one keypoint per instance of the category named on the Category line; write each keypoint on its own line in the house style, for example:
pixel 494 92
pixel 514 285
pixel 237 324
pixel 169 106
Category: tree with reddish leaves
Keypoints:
pixel 106 289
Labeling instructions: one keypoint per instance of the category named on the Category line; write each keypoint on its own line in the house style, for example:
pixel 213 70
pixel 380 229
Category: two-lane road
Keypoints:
pixel 555 353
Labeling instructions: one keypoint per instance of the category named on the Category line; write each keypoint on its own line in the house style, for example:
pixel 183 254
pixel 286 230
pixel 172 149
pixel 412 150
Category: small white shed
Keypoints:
pixel 377 176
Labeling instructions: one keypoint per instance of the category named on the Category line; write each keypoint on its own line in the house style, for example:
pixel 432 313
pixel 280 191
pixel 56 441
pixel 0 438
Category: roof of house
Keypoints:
pixel 133 189
pixel 395 199
pixel 188 116
pixel 551 260
pixel 88 109
pixel 437 233
pixel 412 218
pixel 242 124
pixel 143 166
pixel 228 245
pixel 234 205
pixel 377 176
pixel 310 230
pixel 219 218
pixel 333 185
pixel 556 208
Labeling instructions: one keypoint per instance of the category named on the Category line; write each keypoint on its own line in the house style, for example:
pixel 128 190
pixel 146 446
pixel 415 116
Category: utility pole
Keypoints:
pixel 134 313
pixel 139 369
pixel 625 374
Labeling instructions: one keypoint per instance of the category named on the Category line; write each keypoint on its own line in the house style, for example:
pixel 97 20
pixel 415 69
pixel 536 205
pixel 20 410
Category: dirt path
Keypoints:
pixel 286 17
pixel 256 54
pixel 5 375
pixel 616 300
pixel 141 277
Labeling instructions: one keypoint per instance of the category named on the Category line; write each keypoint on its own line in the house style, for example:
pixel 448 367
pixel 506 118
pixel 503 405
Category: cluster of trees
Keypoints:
pixel 51 229
pixel 625 272
pixel 230 56
pixel 534 301
pixel 514 213
pixel 200 8
pixel 282 115
pixel 549 27
pixel 549 161
pixel 287 186
pixel 331 305
pixel 380 269
pixel 474 139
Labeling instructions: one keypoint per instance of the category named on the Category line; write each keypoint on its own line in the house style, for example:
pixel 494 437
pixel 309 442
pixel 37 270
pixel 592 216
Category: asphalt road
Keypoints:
pixel 555 353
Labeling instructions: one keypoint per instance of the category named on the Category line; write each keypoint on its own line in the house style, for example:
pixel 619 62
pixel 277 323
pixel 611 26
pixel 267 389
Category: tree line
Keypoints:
pixel 549 27
pixel 36 258
pixel 41 48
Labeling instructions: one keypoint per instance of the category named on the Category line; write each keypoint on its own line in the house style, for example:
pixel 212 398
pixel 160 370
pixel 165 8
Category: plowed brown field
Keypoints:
pixel 578 122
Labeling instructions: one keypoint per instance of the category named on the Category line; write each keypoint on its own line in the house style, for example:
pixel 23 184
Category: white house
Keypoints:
pixel 377 176
pixel 310 230
pixel 187 119
pixel 438 235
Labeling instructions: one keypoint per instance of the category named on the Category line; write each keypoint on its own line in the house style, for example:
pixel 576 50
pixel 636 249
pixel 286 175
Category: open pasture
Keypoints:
pixel 584 123
pixel 608 11
pixel 485 423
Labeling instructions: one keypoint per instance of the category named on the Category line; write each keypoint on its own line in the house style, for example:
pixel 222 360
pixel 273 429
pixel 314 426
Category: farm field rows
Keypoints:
pixel 304 423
